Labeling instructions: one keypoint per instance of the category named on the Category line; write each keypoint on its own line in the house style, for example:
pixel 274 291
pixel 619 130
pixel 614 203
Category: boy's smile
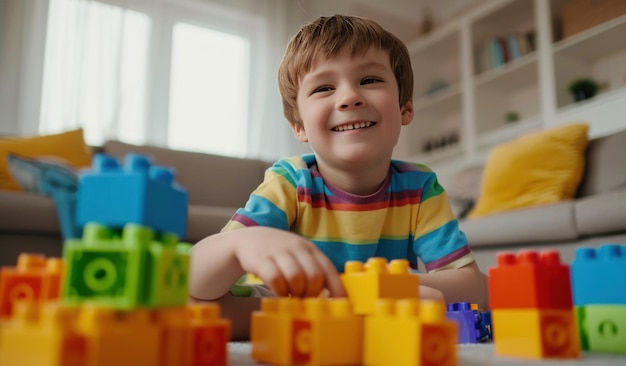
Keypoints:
pixel 353 126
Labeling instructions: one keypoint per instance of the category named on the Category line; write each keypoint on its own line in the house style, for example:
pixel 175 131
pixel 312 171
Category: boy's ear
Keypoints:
pixel 407 113
pixel 299 131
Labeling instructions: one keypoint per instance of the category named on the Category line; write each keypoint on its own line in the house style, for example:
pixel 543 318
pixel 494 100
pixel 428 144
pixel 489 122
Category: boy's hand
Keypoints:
pixel 287 263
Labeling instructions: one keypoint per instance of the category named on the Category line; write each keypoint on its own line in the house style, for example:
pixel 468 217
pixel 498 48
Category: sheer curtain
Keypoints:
pixel 94 72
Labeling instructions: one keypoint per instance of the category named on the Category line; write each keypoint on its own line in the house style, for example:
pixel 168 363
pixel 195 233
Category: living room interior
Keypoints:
pixel 519 108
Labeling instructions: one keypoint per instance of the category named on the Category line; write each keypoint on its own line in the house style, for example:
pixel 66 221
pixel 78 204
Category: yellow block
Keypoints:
pixel 535 333
pixel 374 280
pixel 314 331
pixel 410 332
pixel 43 337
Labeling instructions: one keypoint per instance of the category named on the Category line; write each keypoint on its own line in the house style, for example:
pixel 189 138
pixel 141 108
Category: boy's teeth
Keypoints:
pixel 353 126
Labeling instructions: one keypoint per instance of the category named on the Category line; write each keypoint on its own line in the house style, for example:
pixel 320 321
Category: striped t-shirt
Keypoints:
pixel 407 218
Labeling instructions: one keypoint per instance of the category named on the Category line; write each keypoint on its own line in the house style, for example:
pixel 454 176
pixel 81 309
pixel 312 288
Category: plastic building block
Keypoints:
pixel 137 193
pixel 125 272
pixel 536 333
pixel 486 326
pixel 409 332
pixel 35 278
pixel 42 335
pixel 120 337
pixel 468 322
pixel 602 328
pixel 209 335
pixel 597 273
pixel 530 280
pixel 374 280
pixel 313 331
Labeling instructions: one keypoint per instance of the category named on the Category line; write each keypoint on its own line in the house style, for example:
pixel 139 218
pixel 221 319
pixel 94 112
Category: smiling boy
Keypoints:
pixel 346 86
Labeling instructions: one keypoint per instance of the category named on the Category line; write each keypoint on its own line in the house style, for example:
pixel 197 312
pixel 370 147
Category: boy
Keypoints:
pixel 346 86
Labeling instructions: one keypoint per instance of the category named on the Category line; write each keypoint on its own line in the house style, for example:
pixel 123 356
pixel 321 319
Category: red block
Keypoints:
pixel 530 280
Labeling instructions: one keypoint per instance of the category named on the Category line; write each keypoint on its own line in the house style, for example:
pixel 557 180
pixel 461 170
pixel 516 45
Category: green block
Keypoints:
pixel 168 273
pixel 605 328
pixel 106 269
pixel 580 316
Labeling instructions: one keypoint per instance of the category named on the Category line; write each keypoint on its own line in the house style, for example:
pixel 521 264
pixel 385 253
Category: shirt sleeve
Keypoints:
pixel 272 204
pixel 438 240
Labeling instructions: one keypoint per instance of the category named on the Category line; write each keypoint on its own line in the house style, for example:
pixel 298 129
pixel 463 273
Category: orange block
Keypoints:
pixel 120 337
pixel 410 332
pixel 209 335
pixel 35 278
pixel 313 331
pixel 374 280
pixel 42 335
pixel 536 333
pixel 175 347
pixel 530 280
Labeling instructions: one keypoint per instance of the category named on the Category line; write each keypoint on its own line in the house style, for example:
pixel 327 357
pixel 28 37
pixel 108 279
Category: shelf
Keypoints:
pixel 438 155
pixel 597 42
pixel 508 132
pixel 441 41
pixel 602 98
pixel 444 101
pixel 521 71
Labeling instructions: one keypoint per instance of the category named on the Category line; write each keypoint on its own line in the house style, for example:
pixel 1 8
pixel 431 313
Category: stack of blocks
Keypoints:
pixel 122 286
pixel 598 283
pixel 382 323
pixel 531 304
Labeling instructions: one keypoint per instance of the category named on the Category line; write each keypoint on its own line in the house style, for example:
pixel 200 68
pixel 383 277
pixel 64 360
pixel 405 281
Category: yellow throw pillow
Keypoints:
pixel 536 169
pixel 69 147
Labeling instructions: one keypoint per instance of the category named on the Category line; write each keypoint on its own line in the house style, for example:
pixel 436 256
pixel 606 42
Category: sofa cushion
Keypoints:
pixel 605 169
pixel 203 221
pixel 25 212
pixel 539 168
pixel 228 183
pixel 602 213
pixel 535 224
pixel 68 147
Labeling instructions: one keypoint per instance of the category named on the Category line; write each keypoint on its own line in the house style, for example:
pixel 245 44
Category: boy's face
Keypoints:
pixel 349 108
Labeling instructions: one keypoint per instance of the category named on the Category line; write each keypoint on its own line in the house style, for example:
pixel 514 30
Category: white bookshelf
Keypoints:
pixel 474 105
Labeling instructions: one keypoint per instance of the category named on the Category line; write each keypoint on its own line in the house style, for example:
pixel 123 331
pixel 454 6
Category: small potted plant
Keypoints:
pixel 583 88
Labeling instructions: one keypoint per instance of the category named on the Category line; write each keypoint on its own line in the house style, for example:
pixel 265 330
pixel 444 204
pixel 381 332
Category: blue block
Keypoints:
pixel 138 193
pixel 468 322
pixel 599 275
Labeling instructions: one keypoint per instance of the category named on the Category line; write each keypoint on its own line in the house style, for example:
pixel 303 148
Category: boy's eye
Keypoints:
pixel 370 81
pixel 322 89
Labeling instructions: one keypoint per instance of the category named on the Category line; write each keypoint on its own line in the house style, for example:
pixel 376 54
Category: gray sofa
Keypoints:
pixel 597 214
pixel 216 187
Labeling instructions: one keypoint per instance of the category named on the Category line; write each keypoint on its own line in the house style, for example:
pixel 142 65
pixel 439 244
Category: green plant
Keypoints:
pixel 583 88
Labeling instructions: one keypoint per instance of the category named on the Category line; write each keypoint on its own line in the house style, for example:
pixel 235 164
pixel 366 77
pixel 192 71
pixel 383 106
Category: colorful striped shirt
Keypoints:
pixel 409 217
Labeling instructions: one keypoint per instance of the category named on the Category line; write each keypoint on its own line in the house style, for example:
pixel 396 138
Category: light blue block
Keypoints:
pixel 138 193
pixel 599 275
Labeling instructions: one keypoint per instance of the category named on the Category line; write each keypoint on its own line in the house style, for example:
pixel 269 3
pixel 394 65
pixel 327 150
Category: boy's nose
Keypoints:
pixel 350 99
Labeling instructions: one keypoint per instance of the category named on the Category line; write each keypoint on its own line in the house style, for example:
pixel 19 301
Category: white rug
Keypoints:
pixel 469 355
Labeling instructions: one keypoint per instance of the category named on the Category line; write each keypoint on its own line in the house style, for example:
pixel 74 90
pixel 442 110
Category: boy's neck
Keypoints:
pixel 357 180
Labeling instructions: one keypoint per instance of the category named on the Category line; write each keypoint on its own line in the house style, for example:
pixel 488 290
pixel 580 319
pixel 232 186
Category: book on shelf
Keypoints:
pixel 500 50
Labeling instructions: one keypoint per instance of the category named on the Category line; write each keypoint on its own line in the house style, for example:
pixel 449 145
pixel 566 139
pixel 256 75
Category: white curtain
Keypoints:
pixel 94 73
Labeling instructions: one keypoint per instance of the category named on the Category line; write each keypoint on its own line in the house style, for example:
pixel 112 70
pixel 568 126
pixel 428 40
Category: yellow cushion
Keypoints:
pixel 69 147
pixel 536 169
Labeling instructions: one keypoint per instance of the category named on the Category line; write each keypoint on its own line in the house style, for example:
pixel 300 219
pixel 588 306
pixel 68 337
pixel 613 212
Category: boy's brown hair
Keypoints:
pixel 327 37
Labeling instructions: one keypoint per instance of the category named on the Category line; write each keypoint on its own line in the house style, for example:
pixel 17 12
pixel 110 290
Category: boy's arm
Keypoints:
pixel 286 262
pixel 465 284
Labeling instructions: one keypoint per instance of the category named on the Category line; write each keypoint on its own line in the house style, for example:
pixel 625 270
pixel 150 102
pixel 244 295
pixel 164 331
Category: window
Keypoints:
pixel 162 72
pixel 208 90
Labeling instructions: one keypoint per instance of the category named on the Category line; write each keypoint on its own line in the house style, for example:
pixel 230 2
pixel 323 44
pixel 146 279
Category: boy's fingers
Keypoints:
pixel 292 272
pixel 331 276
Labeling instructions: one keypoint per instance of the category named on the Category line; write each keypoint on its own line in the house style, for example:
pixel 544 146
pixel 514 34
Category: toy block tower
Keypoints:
pixel 374 280
pixel 597 277
pixel 125 282
pixel 531 305
pixel 313 331
pixel 35 278
pixel 409 332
